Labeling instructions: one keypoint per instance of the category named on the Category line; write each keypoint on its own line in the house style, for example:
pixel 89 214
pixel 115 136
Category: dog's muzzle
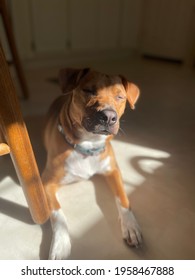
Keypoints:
pixel 102 122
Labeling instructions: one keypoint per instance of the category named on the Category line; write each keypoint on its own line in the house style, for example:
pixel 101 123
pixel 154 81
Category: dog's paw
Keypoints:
pixel 130 229
pixel 60 246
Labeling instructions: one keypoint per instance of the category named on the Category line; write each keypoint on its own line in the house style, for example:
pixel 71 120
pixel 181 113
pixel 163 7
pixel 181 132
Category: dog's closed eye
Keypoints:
pixel 120 97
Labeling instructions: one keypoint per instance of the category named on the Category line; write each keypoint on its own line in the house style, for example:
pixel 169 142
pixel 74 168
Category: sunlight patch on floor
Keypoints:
pixel 136 161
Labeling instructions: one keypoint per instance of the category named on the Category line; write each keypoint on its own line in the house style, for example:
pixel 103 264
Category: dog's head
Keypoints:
pixel 98 100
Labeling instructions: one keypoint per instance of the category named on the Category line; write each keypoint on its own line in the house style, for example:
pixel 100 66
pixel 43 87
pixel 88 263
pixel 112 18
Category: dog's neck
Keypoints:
pixel 88 146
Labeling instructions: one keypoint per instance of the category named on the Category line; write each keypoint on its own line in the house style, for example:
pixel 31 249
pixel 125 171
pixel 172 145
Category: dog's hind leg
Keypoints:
pixel 130 228
pixel 60 246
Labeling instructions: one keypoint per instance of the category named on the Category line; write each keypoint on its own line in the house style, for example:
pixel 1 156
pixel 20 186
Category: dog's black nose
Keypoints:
pixel 108 117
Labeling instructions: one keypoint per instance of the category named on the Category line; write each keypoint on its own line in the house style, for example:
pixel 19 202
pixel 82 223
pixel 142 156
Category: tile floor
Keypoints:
pixel 156 153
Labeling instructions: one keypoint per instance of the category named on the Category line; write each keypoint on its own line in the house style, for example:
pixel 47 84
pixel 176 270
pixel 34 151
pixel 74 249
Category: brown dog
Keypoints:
pixel 80 125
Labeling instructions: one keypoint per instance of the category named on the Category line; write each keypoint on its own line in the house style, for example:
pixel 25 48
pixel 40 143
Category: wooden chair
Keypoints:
pixel 17 143
pixel 12 45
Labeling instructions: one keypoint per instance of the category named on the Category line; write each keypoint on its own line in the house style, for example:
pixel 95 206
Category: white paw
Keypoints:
pixel 130 229
pixel 60 246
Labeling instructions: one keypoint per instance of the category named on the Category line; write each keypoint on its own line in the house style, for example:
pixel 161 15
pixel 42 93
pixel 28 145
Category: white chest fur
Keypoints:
pixel 78 167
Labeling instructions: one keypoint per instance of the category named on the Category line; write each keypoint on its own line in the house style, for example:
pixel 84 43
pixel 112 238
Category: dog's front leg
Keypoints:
pixel 130 228
pixel 60 246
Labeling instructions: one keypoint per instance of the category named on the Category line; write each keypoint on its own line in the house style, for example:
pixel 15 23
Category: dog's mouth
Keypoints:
pixel 104 131
pixel 102 122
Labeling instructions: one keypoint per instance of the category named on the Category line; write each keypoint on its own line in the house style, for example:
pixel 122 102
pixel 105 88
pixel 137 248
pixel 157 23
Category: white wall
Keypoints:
pixel 54 26
pixel 160 28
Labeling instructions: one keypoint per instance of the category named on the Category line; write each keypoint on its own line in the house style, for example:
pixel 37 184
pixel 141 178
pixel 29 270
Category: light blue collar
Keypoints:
pixel 79 148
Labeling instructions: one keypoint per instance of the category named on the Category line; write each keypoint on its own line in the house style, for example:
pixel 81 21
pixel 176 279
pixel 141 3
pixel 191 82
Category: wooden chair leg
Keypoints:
pixel 13 49
pixel 16 136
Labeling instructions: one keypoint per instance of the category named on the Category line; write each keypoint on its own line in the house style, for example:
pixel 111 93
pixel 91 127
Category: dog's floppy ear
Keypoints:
pixel 70 77
pixel 132 92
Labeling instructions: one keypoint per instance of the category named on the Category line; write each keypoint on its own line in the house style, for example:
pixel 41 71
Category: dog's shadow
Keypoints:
pixel 105 200
pixel 45 241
